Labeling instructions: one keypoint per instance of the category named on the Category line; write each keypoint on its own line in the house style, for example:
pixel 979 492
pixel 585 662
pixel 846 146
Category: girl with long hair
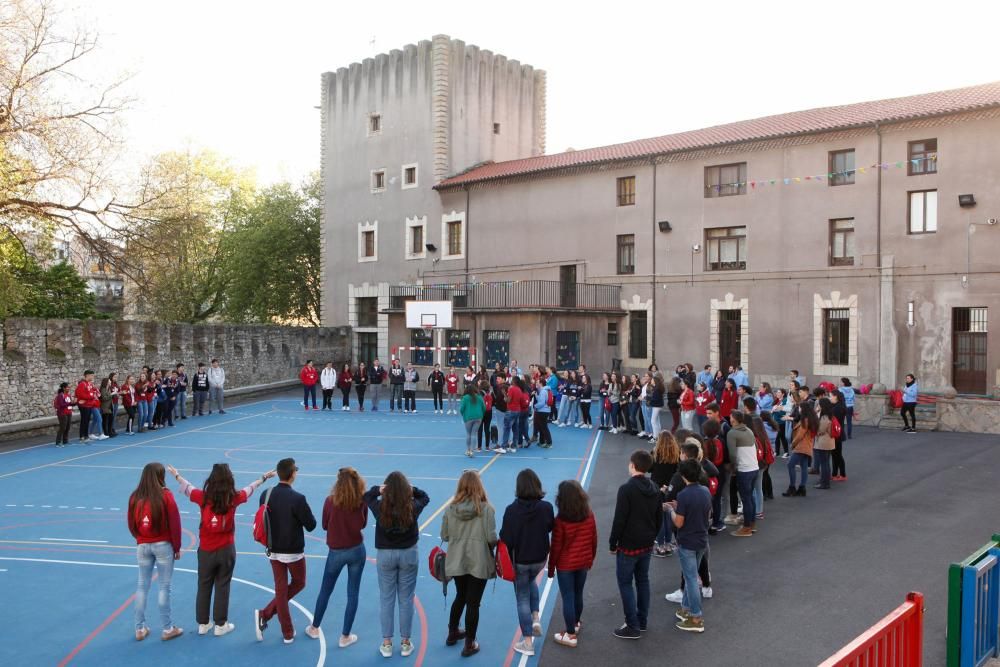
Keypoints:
pixel 718 385
pixel 344 518
pixel 842 416
pixel 782 406
pixel 361 384
pixel 803 437
pixel 824 444
pixel 574 548
pixel 614 397
pixel 129 402
pixel 603 394
pixel 217 500
pixel 673 396
pixel 527 523
pixel 469 527
pixel 106 407
pixel 729 400
pixel 763 443
pixel 155 523
pixel 688 406
pixel 634 390
pixel 654 397
pixel 63 404
pixel 586 396
pixel 344 381
pixel 396 507
pixel 644 390
pixel 666 456
pixel 472 410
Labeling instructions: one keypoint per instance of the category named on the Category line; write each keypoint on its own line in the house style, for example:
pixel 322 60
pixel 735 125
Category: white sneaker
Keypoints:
pixel 406 648
pixel 204 629
pixel 499 450
pixel 733 520
pixel 677 596
pixel 221 630
pixel 102 437
pixel 614 431
pixel 289 641
pixel 706 592
pixel 525 647
pixel 344 642
pixel 385 650
pixel 311 632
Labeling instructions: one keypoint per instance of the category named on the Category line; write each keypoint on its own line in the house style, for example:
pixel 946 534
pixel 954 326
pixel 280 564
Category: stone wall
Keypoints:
pixel 39 354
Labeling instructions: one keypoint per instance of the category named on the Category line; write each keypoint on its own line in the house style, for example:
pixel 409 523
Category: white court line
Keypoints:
pixel 344 435
pixel 240 472
pixel 64 539
pixel 138 444
pixel 322 638
pixel 548 583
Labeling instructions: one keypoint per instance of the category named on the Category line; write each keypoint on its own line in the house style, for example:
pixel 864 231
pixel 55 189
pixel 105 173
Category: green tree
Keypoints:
pixel 273 257
pixel 178 244
pixel 55 292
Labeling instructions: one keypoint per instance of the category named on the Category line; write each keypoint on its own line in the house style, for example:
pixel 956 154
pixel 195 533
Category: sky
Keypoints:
pixel 243 78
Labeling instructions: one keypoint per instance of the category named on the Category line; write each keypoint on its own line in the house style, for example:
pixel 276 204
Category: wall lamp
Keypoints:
pixel 966 201
pixel 664 226
pixel 431 247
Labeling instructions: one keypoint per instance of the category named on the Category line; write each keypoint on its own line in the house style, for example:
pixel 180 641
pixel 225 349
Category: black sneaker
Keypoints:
pixel 625 632
pixel 912 430
pixel 259 624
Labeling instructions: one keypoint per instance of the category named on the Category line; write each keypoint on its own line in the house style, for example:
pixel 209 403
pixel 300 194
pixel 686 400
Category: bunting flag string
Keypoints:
pixel 790 180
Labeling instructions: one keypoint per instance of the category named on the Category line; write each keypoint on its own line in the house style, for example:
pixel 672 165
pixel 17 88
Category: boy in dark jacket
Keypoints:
pixel 200 387
pixel 638 515
pixel 395 386
pixel 288 514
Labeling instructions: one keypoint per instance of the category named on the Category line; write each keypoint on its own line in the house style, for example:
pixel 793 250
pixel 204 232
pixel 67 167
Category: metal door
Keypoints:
pixel 567 286
pixel 969 350
pixel 729 338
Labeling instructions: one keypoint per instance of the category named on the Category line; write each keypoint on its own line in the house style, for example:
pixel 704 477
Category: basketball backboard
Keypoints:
pixel 424 314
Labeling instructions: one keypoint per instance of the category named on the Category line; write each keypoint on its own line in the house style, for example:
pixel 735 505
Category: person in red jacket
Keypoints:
pixel 729 400
pixel 88 400
pixel 574 547
pixel 451 385
pixel 63 404
pixel 309 376
pixel 218 501
pixel 129 402
pixel 155 523
pixel 344 382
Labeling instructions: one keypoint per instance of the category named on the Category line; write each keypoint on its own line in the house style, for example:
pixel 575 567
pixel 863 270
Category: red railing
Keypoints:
pixel 895 641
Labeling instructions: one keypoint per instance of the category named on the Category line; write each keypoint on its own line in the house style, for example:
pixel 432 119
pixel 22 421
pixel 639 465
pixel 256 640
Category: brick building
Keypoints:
pixel 857 240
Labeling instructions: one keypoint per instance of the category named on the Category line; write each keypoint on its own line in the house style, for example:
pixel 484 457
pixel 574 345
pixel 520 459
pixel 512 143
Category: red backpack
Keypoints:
pixel 550 400
pixel 895 398
pixel 262 524
pixel 504 564
pixel 835 429
pixel 713 485
pixel 719 456
pixel 765 454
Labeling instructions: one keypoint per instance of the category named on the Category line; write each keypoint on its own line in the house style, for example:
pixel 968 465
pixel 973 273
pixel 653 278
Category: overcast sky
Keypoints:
pixel 242 78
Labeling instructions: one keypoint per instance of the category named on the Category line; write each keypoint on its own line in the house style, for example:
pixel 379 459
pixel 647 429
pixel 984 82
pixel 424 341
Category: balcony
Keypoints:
pixel 514 295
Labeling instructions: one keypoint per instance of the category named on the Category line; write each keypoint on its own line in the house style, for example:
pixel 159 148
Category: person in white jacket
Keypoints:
pixel 328 380
pixel 216 386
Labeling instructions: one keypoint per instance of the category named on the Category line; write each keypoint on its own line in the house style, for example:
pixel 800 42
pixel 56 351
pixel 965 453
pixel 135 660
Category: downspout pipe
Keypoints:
pixel 653 275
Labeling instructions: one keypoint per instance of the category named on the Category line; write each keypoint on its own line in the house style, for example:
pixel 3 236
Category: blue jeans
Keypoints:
pixel 604 416
pixel 152 408
pixel 635 601
pixel 96 425
pixel 160 554
pixel 798 460
pixel 823 463
pixel 526 592
pixel 307 391
pixel 336 559
pixel 180 408
pixel 509 426
pixel 615 412
pixel 574 412
pixel 744 481
pixel 666 534
pixel 758 489
pixel 647 419
pixel 701 419
pixel 571 584
pixel 522 427
pixel 397 580
pixel 633 411
pixel 690 561
pixel 563 412
pixel 143 414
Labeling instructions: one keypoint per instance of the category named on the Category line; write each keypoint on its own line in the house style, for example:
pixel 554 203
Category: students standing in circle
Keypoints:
pixel 344 381
pixel 328 381
pixel 396 507
pixel 527 523
pixel 289 515
pixel 155 523
pixel 469 528
pixel 344 518
pixel 472 409
pixel 218 500
pixel 574 548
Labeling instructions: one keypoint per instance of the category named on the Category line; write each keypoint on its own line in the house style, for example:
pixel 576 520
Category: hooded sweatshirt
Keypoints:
pixel 526 528
pixel 394 537
pixel 742 449
pixel 638 515
pixel 470 537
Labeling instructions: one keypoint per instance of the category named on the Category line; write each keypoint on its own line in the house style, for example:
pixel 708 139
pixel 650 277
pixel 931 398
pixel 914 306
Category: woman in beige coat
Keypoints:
pixel 825 443
pixel 469 528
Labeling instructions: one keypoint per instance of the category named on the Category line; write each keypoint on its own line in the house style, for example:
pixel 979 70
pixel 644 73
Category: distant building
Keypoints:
pixel 858 240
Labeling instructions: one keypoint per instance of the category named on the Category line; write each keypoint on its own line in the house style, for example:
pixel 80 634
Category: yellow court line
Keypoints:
pixel 443 507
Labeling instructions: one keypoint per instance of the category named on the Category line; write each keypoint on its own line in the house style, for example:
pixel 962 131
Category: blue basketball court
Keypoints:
pixel 67 560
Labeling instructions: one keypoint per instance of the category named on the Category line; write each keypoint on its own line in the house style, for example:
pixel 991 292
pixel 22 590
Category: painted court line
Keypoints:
pixel 122 447
pixel 237 472
pixel 251 449
pixel 131 547
pixel 322 638
pixel 342 435
pixel 71 539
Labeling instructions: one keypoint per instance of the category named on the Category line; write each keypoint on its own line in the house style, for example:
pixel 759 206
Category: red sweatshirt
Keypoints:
pixel 309 376
pixel 128 395
pixel 574 545
pixel 728 403
pixel 702 401
pixel 687 400
pixel 343 527
pixel 140 523
pixel 216 531
pixel 87 395
pixel 63 403
pixel 451 381
pixel 515 399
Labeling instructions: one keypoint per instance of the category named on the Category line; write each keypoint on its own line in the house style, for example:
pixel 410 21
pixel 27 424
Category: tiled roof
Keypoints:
pixel 797 122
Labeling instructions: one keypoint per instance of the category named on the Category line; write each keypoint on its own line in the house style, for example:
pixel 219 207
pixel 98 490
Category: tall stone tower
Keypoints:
pixel 392 127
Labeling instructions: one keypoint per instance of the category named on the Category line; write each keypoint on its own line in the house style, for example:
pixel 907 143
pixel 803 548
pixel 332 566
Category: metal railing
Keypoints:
pixel 973 607
pixel 895 641
pixel 513 295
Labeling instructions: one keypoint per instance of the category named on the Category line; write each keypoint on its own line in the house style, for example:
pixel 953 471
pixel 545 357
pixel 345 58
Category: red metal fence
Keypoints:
pixel 895 641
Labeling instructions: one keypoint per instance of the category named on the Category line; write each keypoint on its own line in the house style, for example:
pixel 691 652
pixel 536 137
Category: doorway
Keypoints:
pixel 367 347
pixel 968 353
pixel 567 286
pixel 730 327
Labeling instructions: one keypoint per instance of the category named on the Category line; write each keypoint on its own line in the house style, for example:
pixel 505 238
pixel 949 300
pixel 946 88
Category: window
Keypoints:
pixel 841 167
pixel 454 237
pixel 367 311
pixel 458 338
pixel 409 179
pixel 368 241
pixel 842 242
pixel 422 338
pixel 416 240
pixel 726 179
pixel 836 336
pixel 626 253
pixel 637 348
pixel 497 348
pixel 567 350
pixel 378 180
pixel 923 157
pixel 626 191
pixel 374 124
pixel 923 212
pixel 727 248
pixel 496 128
pixel 367 347
pixel 612 334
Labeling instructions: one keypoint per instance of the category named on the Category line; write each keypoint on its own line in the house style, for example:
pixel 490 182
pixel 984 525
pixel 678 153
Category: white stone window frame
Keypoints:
pixel 368 123
pixel 371 180
pixel 850 303
pixel 729 303
pixel 412 223
pixel 402 176
pixel 454 216
pixel 381 291
pixel 362 228
pixel 636 304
